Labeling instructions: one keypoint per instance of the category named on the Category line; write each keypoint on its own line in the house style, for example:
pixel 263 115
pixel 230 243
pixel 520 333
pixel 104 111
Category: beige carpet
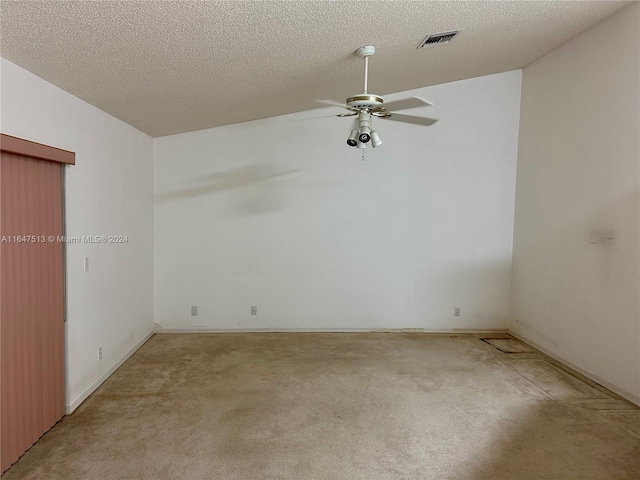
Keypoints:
pixel 339 406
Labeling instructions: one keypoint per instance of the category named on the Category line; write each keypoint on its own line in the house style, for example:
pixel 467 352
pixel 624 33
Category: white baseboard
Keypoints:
pixel 591 376
pixel 334 330
pixel 92 388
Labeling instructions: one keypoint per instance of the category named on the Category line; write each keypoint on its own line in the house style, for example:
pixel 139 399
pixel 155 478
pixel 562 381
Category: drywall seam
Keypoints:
pixel 69 409
pixel 591 376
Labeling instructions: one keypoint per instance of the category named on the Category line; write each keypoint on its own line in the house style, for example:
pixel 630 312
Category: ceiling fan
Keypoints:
pixel 367 105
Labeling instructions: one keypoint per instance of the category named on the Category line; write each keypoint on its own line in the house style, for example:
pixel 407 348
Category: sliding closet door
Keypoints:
pixel 32 297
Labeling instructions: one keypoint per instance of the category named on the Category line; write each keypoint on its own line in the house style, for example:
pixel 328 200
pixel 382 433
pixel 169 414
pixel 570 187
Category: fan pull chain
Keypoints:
pixel 363 154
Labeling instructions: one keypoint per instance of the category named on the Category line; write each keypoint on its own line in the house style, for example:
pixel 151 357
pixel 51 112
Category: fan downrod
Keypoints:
pixel 366 101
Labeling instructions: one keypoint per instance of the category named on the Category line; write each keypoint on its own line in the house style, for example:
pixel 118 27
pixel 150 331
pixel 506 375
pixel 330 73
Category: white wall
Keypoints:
pixel 108 192
pixel 578 181
pixel 282 214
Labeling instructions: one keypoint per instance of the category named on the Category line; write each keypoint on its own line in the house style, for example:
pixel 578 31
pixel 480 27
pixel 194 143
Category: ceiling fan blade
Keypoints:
pixel 316 117
pixel 406 103
pixel 399 117
pixel 335 104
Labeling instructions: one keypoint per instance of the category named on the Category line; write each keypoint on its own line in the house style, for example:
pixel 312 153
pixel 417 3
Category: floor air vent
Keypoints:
pixel 438 39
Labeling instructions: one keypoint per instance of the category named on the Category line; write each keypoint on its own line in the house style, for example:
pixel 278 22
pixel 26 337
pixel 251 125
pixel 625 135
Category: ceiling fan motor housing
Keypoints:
pixel 365 101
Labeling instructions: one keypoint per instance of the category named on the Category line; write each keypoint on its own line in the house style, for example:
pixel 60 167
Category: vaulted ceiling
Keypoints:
pixel 174 66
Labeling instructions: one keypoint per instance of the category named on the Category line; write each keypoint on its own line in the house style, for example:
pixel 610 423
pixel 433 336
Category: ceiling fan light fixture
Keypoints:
pixel 352 141
pixel 376 141
pixel 365 134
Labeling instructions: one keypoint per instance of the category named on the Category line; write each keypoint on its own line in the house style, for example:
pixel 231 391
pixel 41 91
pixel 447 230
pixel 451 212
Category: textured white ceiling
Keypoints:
pixel 174 66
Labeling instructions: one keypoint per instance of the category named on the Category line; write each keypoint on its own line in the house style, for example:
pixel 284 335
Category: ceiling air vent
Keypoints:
pixel 438 39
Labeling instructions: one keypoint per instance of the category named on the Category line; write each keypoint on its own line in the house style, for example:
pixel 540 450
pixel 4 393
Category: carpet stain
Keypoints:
pixel 338 406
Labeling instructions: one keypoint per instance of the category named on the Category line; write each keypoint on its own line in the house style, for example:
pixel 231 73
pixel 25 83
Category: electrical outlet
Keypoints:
pixel 254 310
pixel 99 353
pixel 456 311
pixel 194 310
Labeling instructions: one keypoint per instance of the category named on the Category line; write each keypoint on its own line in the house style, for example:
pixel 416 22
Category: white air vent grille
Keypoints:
pixel 438 39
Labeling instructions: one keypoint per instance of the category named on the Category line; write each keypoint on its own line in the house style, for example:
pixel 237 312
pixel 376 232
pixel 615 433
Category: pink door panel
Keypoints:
pixel 32 302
